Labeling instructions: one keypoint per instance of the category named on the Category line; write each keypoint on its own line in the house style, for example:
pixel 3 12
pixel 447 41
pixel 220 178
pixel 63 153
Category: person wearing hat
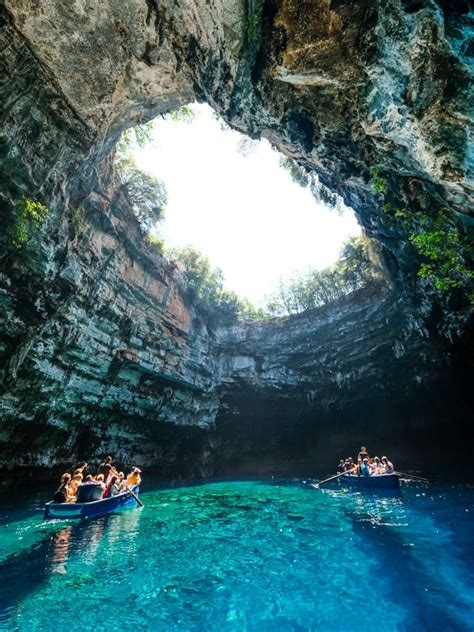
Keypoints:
pixel 134 477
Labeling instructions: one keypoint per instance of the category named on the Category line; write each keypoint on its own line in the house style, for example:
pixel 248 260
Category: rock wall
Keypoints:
pixel 297 391
pixel 99 346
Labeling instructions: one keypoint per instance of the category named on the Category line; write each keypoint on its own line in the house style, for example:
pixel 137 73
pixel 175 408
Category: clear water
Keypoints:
pixel 245 556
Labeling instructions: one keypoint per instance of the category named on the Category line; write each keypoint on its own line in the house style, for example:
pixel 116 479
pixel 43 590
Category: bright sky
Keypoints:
pixel 244 212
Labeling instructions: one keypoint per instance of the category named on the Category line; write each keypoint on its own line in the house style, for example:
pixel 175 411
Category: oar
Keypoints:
pixel 416 478
pixel 129 490
pixel 134 495
pixel 326 480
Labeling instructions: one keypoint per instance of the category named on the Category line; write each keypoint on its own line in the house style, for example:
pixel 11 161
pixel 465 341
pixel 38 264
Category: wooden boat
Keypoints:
pixel 376 481
pixel 94 509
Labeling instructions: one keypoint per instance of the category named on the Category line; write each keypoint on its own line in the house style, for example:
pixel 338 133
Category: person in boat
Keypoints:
pixel 76 481
pixel 349 464
pixel 120 481
pixel 377 466
pixel 62 493
pixel 99 479
pixel 340 467
pixel 364 468
pixel 388 466
pixel 134 477
pixel 89 490
pixel 363 454
pixel 111 488
pixel 106 469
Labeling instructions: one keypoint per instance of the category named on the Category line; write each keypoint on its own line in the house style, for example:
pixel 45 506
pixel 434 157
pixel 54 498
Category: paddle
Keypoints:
pixel 416 478
pixel 134 495
pixel 326 480
pixel 129 490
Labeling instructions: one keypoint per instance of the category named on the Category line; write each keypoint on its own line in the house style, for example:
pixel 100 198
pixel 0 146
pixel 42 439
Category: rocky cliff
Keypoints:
pixel 99 346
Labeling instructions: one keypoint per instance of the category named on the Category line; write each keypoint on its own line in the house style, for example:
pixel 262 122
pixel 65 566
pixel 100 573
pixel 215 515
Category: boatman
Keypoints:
pixel 363 454
pixel 134 477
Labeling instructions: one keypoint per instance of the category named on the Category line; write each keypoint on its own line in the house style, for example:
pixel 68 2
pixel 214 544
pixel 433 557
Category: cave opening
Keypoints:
pixel 266 225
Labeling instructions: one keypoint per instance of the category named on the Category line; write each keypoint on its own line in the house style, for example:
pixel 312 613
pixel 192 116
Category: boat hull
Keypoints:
pixel 94 509
pixel 383 481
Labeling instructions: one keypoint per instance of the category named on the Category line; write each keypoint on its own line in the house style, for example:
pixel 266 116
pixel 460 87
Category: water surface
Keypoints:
pixel 245 556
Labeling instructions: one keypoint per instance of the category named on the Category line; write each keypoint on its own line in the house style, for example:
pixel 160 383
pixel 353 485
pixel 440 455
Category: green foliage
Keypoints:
pixel 155 243
pixel 314 288
pixel 77 215
pixel 29 215
pixel 308 179
pixel 297 173
pixel 444 250
pixel 379 182
pixel 254 20
pixel 205 288
pixel 184 114
pixel 147 194
pixel 138 136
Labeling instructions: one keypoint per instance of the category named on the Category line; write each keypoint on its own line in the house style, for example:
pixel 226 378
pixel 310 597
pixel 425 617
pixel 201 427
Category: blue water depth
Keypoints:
pixel 277 556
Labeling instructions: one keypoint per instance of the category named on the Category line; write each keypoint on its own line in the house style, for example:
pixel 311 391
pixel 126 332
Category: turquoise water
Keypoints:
pixel 245 556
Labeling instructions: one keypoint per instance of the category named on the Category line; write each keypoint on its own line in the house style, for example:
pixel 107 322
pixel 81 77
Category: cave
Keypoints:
pixel 100 350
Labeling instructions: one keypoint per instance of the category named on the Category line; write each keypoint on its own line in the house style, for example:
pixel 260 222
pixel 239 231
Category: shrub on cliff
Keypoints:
pixel 205 286
pixel 311 289
pixel 26 220
pixel 146 194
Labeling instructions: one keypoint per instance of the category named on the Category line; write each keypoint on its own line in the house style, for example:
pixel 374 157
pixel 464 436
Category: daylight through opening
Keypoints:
pixel 263 232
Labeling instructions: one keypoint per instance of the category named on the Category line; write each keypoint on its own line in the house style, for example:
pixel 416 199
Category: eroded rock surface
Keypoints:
pixel 99 346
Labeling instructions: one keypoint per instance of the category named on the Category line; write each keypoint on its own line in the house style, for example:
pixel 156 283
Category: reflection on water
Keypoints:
pixel 62 543
pixel 247 556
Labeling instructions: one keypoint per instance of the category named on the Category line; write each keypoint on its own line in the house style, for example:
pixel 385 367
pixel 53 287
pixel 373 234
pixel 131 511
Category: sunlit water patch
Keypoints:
pixel 245 556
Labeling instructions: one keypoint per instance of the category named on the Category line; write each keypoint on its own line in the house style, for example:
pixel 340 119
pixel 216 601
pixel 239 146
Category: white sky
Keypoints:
pixel 245 213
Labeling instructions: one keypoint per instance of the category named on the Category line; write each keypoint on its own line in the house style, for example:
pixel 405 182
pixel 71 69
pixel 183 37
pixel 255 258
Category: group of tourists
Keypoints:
pixel 81 488
pixel 366 465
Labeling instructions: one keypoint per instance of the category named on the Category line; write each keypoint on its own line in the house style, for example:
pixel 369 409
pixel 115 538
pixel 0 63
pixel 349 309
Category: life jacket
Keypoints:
pixel 132 479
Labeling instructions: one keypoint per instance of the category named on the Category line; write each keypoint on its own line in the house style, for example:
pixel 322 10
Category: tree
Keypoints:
pixel 310 180
pixel 354 264
pixel 146 193
pixel 205 286
pixel 314 288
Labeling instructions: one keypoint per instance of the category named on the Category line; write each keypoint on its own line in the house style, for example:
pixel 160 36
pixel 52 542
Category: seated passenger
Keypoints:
pixel 388 466
pixel 120 481
pixel 134 477
pixel 349 465
pixel 62 493
pixel 340 467
pixel 111 488
pixel 76 481
pixel 377 467
pixel 99 479
pixel 364 468
pixel 89 490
